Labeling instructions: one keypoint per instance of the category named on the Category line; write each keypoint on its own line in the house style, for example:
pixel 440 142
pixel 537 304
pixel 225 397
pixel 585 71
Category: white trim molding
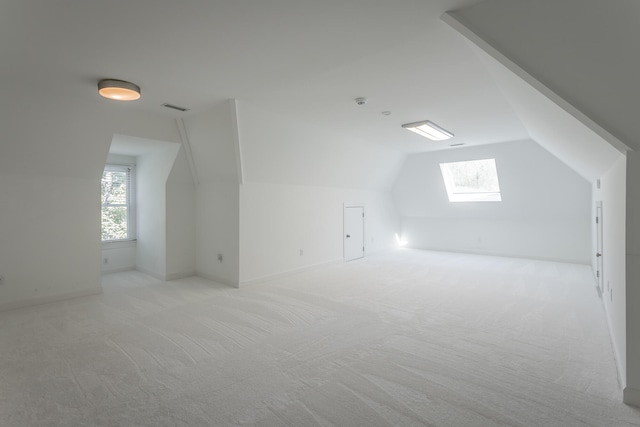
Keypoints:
pixel 289 272
pixel 631 397
pixel 237 146
pixel 217 279
pixel 184 138
pixel 179 275
pixel 54 298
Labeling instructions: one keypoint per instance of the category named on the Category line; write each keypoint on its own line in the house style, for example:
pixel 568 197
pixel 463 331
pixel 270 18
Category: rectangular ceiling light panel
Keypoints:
pixel 429 130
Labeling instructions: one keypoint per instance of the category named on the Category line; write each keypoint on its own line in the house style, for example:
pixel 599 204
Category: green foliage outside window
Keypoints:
pixel 471 181
pixel 114 204
pixel 477 176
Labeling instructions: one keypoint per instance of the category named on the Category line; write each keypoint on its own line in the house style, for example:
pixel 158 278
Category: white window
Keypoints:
pixel 118 221
pixel 471 181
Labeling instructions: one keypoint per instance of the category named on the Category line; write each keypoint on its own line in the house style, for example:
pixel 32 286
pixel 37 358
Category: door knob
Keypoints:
pixel 598 255
pixel 348 236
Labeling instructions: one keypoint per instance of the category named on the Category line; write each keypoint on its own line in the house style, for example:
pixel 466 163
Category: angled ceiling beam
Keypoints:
pixel 235 129
pixel 184 137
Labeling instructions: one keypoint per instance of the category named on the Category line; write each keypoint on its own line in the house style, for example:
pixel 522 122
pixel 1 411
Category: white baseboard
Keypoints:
pixel 616 354
pixel 151 273
pixel 290 272
pixel 180 275
pixel 631 397
pixel 217 279
pixel 117 270
pixel 163 277
pixel 45 300
pixel 500 255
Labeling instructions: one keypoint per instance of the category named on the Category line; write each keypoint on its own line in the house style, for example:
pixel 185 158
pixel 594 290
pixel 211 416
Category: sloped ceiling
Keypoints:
pixel 568 68
pixel 586 51
pixel 307 60
pixel 430 75
pixel 553 128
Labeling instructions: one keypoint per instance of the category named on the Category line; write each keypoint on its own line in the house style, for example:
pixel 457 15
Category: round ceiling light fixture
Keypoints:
pixel 118 90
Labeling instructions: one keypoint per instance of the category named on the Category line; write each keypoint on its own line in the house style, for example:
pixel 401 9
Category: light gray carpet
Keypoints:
pixel 402 338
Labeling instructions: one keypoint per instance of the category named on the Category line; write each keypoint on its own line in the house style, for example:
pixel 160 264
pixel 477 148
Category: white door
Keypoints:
pixel 353 232
pixel 599 274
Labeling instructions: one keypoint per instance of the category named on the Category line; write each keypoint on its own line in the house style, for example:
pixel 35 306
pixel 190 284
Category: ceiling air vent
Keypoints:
pixel 175 107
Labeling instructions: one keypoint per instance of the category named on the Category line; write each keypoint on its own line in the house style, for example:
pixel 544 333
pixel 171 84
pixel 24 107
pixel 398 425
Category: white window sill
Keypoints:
pixel 117 244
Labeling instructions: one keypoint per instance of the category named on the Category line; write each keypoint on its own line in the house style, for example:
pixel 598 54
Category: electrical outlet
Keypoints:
pixel 220 257
pixel 105 261
pixel 301 252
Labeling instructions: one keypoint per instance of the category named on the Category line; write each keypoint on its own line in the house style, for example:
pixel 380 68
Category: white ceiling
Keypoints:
pixel 306 59
pixel 585 51
pixel 126 145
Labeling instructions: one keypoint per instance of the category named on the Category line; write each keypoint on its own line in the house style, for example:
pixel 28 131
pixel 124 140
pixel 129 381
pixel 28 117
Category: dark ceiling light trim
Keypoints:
pixel 429 130
pixel 175 107
pixel 118 90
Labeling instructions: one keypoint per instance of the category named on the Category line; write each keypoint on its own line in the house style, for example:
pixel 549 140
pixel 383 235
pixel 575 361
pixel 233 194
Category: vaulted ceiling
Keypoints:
pixel 308 60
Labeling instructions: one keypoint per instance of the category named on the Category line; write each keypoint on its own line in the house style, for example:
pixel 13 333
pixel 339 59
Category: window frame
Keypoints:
pixel 472 196
pixel 130 205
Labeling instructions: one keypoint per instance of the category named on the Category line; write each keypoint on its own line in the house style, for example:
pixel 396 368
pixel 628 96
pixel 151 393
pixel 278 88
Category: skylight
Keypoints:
pixel 471 181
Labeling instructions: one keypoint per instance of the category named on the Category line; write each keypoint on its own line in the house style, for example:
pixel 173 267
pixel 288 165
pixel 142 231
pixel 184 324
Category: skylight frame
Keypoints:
pixel 456 193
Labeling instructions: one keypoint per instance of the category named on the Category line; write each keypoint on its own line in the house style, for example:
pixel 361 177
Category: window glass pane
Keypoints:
pixel 478 176
pixel 114 222
pixel 114 187
pixel 115 193
pixel 471 181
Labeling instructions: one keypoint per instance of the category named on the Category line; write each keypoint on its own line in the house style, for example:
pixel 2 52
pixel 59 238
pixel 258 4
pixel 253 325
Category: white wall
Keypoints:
pixel 152 172
pixel 288 168
pixel 51 160
pixel 632 390
pixel 180 220
pixel 544 213
pixel 212 142
pixel 277 221
pixel 280 150
pixel 49 240
pixel 612 194
pixel 297 176
pixel 218 222
pixel 118 256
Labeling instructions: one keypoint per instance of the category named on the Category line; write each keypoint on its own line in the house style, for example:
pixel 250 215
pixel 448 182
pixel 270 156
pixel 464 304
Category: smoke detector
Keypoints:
pixel 361 101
